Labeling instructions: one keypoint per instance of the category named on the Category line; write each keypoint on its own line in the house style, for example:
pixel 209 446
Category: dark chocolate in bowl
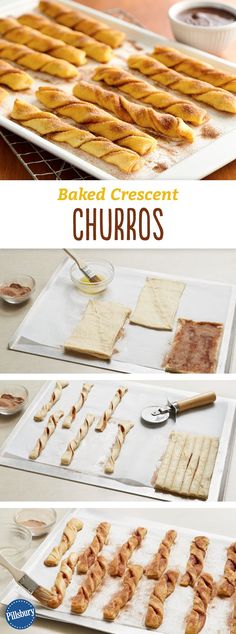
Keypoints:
pixel 207 17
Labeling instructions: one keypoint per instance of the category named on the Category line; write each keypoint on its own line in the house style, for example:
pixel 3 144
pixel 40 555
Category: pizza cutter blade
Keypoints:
pixel 159 414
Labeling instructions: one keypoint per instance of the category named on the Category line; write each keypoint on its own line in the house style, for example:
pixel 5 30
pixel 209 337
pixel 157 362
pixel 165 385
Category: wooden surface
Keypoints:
pixel 152 14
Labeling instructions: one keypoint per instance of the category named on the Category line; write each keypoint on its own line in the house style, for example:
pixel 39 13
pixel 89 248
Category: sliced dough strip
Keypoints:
pixel 201 91
pixel 141 90
pixel 159 563
pixel 109 411
pixel 195 347
pixel 164 587
pixel 80 22
pixel 36 61
pixel 204 590
pixel 47 433
pixel 131 112
pixel 227 585
pixel 91 584
pixel 195 563
pixel 89 555
pixel 50 126
pixel 73 445
pixel 63 580
pixel 54 398
pixel 69 534
pixel 129 585
pixel 123 429
pixel 67 422
pixel 158 303
pixel 118 564
pixel 14 78
pixel 193 67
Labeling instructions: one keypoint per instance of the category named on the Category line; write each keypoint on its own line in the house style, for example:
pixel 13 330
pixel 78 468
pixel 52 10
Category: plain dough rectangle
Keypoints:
pixel 158 303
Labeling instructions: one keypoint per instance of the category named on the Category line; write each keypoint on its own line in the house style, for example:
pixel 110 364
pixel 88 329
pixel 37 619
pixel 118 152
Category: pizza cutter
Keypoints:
pixel 159 414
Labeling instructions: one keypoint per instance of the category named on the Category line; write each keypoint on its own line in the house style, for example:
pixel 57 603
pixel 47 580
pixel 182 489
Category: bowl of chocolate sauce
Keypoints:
pixel 206 25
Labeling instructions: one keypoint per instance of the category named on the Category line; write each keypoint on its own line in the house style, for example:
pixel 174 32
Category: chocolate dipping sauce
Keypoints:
pixel 206 16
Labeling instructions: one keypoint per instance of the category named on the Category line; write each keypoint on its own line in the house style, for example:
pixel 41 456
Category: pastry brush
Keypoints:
pixel 44 596
pixel 89 273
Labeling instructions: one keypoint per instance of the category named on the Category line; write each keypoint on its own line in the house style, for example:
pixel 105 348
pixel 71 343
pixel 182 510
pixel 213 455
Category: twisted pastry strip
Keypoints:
pixel 159 563
pixel 233 621
pixel 55 396
pixel 67 422
pixel 102 423
pixel 91 584
pixel 145 92
pixel 50 126
pixel 120 599
pixel 63 580
pixel 118 564
pixel 227 586
pixel 194 67
pixel 14 78
pixel 80 22
pixel 201 91
pixel 3 94
pixel 161 591
pixel 198 550
pixel 12 31
pixel 68 456
pixel 47 433
pixel 134 113
pixel 36 61
pixel 96 50
pixel 96 120
pixel 69 534
pixel 123 430
pixel 89 555
pixel 203 595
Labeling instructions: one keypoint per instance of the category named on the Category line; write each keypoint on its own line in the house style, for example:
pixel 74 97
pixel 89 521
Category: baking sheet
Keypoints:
pixel 143 446
pixel 172 159
pixel 59 308
pixel 132 617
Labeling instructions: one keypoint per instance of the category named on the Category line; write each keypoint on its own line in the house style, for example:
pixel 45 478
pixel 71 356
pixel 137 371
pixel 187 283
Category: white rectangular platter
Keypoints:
pixel 131 619
pixel 59 307
pixel 143 446
pixel 172 159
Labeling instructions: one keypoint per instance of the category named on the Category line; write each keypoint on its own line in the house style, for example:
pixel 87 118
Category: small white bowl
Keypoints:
pixel 38 521
pixel 15 390
pixel 213 39
pixel 103 268
pixel 23 280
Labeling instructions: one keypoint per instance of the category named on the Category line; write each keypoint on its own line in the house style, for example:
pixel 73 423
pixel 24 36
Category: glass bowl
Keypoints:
pixel 38 521
pixel 15 390
pixel 103 268
pixel 15 541
pixel 23 280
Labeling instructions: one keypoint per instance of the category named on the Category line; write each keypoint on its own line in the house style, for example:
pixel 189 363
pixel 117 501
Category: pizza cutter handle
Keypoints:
pixel 196 401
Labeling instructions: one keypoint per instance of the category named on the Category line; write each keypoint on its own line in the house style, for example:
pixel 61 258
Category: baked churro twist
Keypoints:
pixel 183 63
pixel 91 584
pixel 63 580
pixel 233 620
pixel 14 78
pixel 55 396
pixel 194 567
pixel 159 563
pixel 96 120
pixel 3 95
pixel 96 50
pixel 73 445
pixel 131 112
pixel 201 91
pixel 141 90
pixel 80 22
pixel 118 564
pixel 227 586
pixel 102 423
pixel 36 61
pixel 50 126
pixel 164 587
pixel 69 534
pixel 123 429
pixel 13 31
pixel 89 555
pixel 204 589
pixel 47 433
pixel 129 585
pixel 69 419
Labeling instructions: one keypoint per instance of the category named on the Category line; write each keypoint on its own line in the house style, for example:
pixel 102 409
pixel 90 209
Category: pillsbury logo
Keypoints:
pixel 20 614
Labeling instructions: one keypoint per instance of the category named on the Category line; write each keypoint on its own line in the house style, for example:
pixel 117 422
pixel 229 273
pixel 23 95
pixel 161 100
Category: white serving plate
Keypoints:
pixel 141 349
pixel 131 618
pixel 193 162
pixel 143 446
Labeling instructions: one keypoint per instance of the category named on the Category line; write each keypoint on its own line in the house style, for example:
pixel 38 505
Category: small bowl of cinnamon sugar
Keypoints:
pixel 17 289
pixel 38 521
pixel 13 398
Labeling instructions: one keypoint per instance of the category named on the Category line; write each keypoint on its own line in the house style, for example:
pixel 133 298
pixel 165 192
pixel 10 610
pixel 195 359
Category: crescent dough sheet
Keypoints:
pixel 99 329
pixel 157 304
pixel 195 347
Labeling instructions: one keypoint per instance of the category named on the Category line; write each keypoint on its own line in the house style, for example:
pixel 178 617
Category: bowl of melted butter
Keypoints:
pixel 102 268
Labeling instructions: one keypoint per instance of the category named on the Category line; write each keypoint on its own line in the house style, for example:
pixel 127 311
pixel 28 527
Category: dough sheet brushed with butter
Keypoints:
pixel 157 304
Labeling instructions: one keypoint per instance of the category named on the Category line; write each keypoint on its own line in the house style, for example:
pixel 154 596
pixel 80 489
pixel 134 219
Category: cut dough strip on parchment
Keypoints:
pixel 69 419
pixel 54 398
pixel 158 303
pixel 119 562
pixel 130 582
pixel 123 429
pixel 159 563
pixel 68 537
pixel 195 563
pixel 203 595
pixel 47 433
pixel 109 411
pixel 88 556
pixel 164 587
pixel 90 585
pixel 227 585
pixel 74 444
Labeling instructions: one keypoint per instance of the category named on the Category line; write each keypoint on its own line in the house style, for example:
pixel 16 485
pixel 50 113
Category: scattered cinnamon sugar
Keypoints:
pixel 208 132
pixel 160 167
pixel 135 45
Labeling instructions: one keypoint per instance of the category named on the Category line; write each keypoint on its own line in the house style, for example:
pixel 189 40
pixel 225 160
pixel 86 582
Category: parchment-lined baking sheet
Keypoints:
pixel 173 159
pixel 143 446
pixel 132 617
pixel 60 306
